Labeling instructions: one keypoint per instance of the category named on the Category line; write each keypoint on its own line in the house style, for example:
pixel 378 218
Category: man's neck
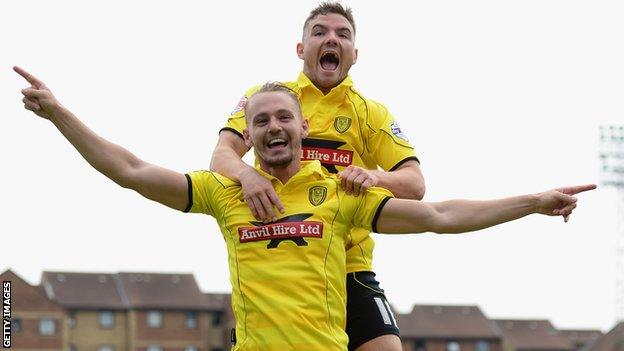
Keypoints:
pixel 325 91
pixel 282 173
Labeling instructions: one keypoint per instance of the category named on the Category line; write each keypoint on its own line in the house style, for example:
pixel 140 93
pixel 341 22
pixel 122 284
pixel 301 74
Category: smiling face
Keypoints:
pixel 328 50
pixel 275 129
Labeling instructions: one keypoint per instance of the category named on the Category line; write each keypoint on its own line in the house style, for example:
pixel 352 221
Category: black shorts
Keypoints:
pixel 368 311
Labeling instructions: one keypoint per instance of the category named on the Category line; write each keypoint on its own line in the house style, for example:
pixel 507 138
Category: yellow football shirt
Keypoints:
pixel 288 277
pixel 345 129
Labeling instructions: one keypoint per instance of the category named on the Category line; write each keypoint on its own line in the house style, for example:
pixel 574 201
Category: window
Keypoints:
pixel 46 326
pixel 190 348
pixel 71 321
pixel 154 319
pixel 482 345
pixel 216 318
pixel 452 346
pixel 106 348
pixel 16 325
pixel 191 320
pixel 419 345
pixel 107 319
pixel 154 348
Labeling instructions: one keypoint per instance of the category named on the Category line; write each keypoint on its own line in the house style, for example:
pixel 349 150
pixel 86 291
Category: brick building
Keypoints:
pixel 447 328
pixel 135 311
pixel 37 322
pixel 532 335
pixel 611 341
pixel 579 338
pixel 168 312
pixel 222 317
pixel 97 317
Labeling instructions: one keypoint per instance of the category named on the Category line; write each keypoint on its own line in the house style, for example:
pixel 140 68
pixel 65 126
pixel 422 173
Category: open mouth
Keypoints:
pixel 329 61
pixel 277 143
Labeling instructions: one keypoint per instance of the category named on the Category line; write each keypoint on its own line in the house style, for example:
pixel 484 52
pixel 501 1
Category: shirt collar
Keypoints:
pixel 304 82
pixel 309 170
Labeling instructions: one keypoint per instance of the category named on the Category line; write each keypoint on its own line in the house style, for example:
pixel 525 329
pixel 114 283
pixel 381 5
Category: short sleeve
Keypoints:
pixel 387 142
pixel 364 210
pixel 206 193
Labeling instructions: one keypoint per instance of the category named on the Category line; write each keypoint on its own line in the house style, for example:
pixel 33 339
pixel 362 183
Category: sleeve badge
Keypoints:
pixel 240 106
pixel 396 130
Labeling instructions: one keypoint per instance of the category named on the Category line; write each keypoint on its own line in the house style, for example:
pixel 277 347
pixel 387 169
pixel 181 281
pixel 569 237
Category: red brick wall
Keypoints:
pixel 29 304
pixel 29 337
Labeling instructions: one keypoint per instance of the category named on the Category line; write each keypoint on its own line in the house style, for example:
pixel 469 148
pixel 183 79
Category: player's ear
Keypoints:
pixel 304 128
pixel 300 50
pixel 355 51
pixel 247 138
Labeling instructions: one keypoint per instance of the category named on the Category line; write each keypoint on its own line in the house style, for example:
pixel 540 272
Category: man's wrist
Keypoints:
pixel 380 177
pixel 534 201
pixel 58 113
pixel 245 171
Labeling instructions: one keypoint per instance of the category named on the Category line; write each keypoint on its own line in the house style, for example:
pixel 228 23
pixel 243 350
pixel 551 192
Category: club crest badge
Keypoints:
pixel 317 195
pixel 342 123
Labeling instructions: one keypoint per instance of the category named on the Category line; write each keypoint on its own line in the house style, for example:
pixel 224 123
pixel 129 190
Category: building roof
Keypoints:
pixel 533 335
pixel 430 321
pixel 611 341
pixel 27 297
pixel 161 290
pixel 83 290
pixel 123 290
pixel 581 337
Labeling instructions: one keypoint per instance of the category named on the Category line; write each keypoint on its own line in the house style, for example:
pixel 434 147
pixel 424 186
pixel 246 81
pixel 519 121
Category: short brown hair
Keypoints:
pixel 330 7
pixel 276 87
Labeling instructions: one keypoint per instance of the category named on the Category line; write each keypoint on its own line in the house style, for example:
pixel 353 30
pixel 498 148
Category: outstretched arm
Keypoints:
pixel 459 216
pixel 115 162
